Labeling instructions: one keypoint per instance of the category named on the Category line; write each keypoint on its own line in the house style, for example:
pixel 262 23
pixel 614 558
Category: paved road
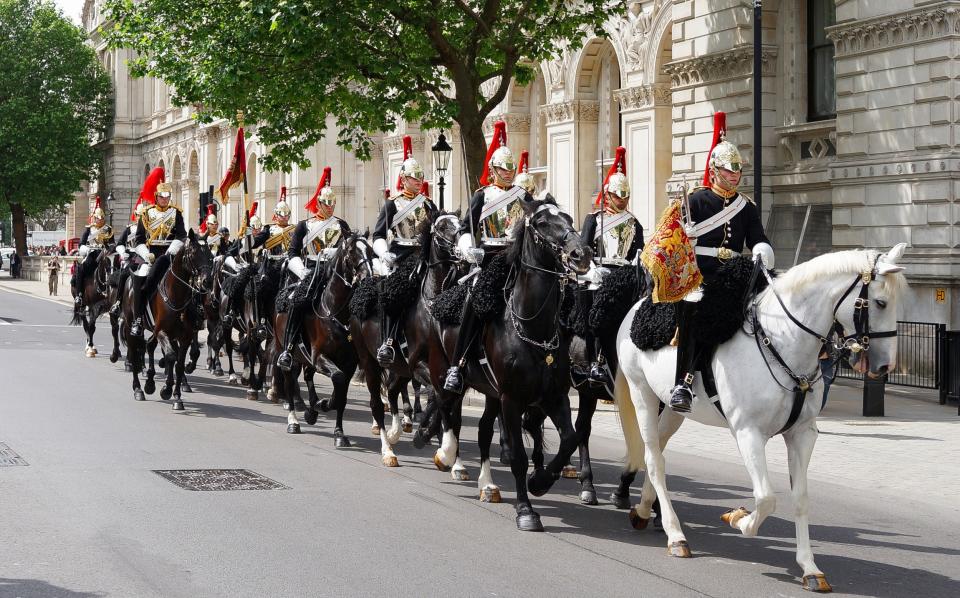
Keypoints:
pixel 88 517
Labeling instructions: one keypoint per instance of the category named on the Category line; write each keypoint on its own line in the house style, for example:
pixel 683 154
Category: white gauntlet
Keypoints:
pixel 175 247
pixel 328 252
pixel 231 263
pixel 295 265
pixel 83 251
pixel 467 251
pixel 380 247
pixel 143 252
pixel 596 274
pixel 765 252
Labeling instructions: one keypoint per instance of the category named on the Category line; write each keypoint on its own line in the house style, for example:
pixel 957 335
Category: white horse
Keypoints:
pixel 857 288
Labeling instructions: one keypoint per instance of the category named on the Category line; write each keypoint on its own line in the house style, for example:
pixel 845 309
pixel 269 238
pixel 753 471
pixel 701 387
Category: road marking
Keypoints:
pixel 60 302
pixel 37 325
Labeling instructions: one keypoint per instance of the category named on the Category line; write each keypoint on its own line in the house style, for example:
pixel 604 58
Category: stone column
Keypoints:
pixel 571 141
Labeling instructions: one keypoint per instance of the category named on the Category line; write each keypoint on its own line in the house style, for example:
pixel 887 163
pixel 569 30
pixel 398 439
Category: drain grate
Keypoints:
pixel 9 457
pixel 218 480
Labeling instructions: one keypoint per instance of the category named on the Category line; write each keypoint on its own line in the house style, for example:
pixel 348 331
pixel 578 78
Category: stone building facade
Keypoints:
pixel 859 128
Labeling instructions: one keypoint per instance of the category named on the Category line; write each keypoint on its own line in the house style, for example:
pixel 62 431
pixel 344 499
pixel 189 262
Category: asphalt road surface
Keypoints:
pixel 82 512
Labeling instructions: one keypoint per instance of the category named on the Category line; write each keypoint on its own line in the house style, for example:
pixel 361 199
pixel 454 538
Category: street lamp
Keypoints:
pixel 441 154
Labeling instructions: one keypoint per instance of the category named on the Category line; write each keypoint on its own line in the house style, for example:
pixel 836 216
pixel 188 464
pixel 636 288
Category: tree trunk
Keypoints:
pixel 19 228
pixel 475 147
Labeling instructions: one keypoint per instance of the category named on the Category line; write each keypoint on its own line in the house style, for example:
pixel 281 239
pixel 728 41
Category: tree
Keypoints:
pixel 54 102
pixel 288 64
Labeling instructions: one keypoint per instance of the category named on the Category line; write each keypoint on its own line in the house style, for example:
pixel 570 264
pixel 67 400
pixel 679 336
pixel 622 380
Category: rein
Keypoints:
pixel 161 289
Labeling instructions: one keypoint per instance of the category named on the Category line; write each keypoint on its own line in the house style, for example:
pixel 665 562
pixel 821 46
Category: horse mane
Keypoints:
pixel 517 232
pixel 425 233
pixel 841 262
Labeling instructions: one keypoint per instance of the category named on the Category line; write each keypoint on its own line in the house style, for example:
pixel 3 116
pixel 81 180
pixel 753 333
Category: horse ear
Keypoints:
pixel 191 235
pixel 366 233
pixel 887 262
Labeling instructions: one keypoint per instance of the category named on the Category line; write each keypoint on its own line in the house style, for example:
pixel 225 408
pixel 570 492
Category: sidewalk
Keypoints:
pixel 911 453
pixel 36 288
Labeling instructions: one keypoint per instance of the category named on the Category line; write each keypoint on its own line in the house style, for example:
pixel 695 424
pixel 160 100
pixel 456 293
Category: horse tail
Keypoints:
pixel 628 422
pixel 77 318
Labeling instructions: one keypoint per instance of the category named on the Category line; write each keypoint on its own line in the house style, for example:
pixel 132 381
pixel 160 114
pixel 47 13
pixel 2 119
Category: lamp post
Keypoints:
pixel 441 153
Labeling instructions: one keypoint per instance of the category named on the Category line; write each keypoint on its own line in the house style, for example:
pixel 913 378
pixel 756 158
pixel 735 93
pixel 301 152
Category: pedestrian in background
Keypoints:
pixel 53 274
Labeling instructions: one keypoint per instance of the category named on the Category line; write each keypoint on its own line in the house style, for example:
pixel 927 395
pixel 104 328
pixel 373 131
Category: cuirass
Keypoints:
pixel 617 241
pixel 99 235
pixel 410 214
pixel 159 225
pixel 279 238
pixel 322 234
pixel 501 209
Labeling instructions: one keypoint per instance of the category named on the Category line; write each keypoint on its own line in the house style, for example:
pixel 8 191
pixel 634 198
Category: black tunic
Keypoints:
pixel 125 236
pixel 745 228
pixel 297 248
pixel 385 222
pixel 590 225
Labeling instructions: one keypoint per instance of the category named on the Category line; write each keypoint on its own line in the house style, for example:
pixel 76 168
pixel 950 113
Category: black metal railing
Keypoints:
pixel 921 353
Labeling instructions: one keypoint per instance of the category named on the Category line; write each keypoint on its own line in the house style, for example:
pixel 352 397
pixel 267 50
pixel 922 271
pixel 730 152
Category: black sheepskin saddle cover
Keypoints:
pixel 114 279
pixel 401 288
pixel 364 303
pixel 488 302
pixel 234 285
pixel 717 317
pixel 300 292
pixel 447 307
pixel 267 282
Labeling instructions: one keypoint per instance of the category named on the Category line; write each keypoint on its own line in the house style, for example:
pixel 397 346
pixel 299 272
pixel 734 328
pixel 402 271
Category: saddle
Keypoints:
pixel 296 292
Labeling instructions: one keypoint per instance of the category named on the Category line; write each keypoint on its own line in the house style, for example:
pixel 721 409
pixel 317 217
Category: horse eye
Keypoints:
pixel 881 303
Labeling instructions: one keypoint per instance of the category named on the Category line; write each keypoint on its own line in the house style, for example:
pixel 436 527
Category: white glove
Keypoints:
pixel 231 263
pixel 295 265
pixel 175 247
pixel 122 250
pixel 474 255
pixel 380 268
pixel 464 244
pixel 764 252
pixel 328 252
pixel 380 247
pixel 143 270
pixel 143 252
pixel 688 228
pixel 83 251
pixel 389 258
pixel 596 274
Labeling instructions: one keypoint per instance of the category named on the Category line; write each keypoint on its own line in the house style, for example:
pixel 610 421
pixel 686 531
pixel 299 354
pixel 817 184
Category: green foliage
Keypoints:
pixel 55 99
pixel 290 63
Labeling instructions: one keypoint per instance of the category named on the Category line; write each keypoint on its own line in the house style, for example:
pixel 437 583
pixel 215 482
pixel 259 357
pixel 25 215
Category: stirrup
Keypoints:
pixel 386 354
pixel 136 329
pixel 285 361
pixel 115 309
pixel 227 319
pixel 454 380
pixel 598 376
pixel 681 398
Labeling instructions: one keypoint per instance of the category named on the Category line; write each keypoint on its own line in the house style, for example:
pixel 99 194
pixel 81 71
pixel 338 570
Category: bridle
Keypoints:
pixel 187 259
pixel 364 267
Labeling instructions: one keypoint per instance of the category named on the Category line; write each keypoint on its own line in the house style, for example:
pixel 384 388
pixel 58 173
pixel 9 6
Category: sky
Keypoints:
pixel 70 8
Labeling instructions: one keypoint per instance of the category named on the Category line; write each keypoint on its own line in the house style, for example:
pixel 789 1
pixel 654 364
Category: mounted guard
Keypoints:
pixel 160 236
pixel 616 238
pixel 494 208
pixel 96 237
pixel 210 232
pixel 719 221
pixel 396 238
pixel 124 250
pixel 315 240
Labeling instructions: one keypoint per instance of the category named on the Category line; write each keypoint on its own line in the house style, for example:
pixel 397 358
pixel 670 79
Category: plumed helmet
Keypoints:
pixel 727 156
pixel 503 158
pixel 411 167
pixel 618 184
pixel 327 196
pixel 256 223
pixel 98 213
pixel 282 208
pixel 211 219
pixel 524 178
pixel 164 190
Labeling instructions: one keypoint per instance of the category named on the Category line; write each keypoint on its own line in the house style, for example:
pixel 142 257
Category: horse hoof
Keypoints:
pixel 490 494
pixel 529 522
pixel 407 427
pixel 816 583
pixel 310 416
pixel 218 372
pixel 732 516
pixel 138 395
pixel 325 407
pixel 620 502
pixel 272 396
pixel 390 461
pixel 293 428
pixel 232 380
pixel 460 475
pixel 569 472
pixel 374 430
pixel 341 441
pixel 190 367
pixel 539 482
pixel 253 395
pixel 636 520
pixel 165 393
pixel 589 497
pixel 178 405
pixel 439 463
pixel 418 441
pixel 185 386
pixel 679 549
pixel 90 352
pixel 115 357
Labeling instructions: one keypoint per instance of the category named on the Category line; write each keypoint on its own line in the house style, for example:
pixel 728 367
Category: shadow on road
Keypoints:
pixel 35 587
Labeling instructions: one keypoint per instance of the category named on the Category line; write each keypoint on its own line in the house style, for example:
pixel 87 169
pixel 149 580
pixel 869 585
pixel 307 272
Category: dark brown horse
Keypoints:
pixel 527 355
pixel 421 334
pixel 172 308
pixel 326 346
pixel 257 323
pixel 94 294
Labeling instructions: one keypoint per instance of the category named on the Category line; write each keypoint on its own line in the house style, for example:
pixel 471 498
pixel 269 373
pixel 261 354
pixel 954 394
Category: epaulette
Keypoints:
pixel 748 198
pixel 698 187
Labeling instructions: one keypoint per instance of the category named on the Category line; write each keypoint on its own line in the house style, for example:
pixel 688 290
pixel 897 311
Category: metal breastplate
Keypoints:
pixel 159 225
pixel 617 239
pixel 412 213
pixel 501 210
pixel 98 236
pixel 279 241
pixel 322 234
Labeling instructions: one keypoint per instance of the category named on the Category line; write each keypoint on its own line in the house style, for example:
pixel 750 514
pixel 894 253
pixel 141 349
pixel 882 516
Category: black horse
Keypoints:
pixel 94 295
pixel 526 356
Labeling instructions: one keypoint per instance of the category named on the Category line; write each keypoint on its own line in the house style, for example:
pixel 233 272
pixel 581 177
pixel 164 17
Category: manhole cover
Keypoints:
pixel 218 479
pixel 9 458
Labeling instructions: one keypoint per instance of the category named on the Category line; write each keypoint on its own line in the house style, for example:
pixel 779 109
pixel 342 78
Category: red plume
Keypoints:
pixel 499 138
pixel 312 205
pixel 254 206
pixel 719 130
pixel 425 189
pixel 96 204
pixel 407 152
pixel 283 194
pixel 619 165
pixel 211 210
pixel 523 165
pixel 149 191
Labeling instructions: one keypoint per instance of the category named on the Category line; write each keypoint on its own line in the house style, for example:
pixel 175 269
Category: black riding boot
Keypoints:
pixel 139 307
pixel 681 398
pixel 386 353
pixel 468 330
pixel 598 375
pixel 290 333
